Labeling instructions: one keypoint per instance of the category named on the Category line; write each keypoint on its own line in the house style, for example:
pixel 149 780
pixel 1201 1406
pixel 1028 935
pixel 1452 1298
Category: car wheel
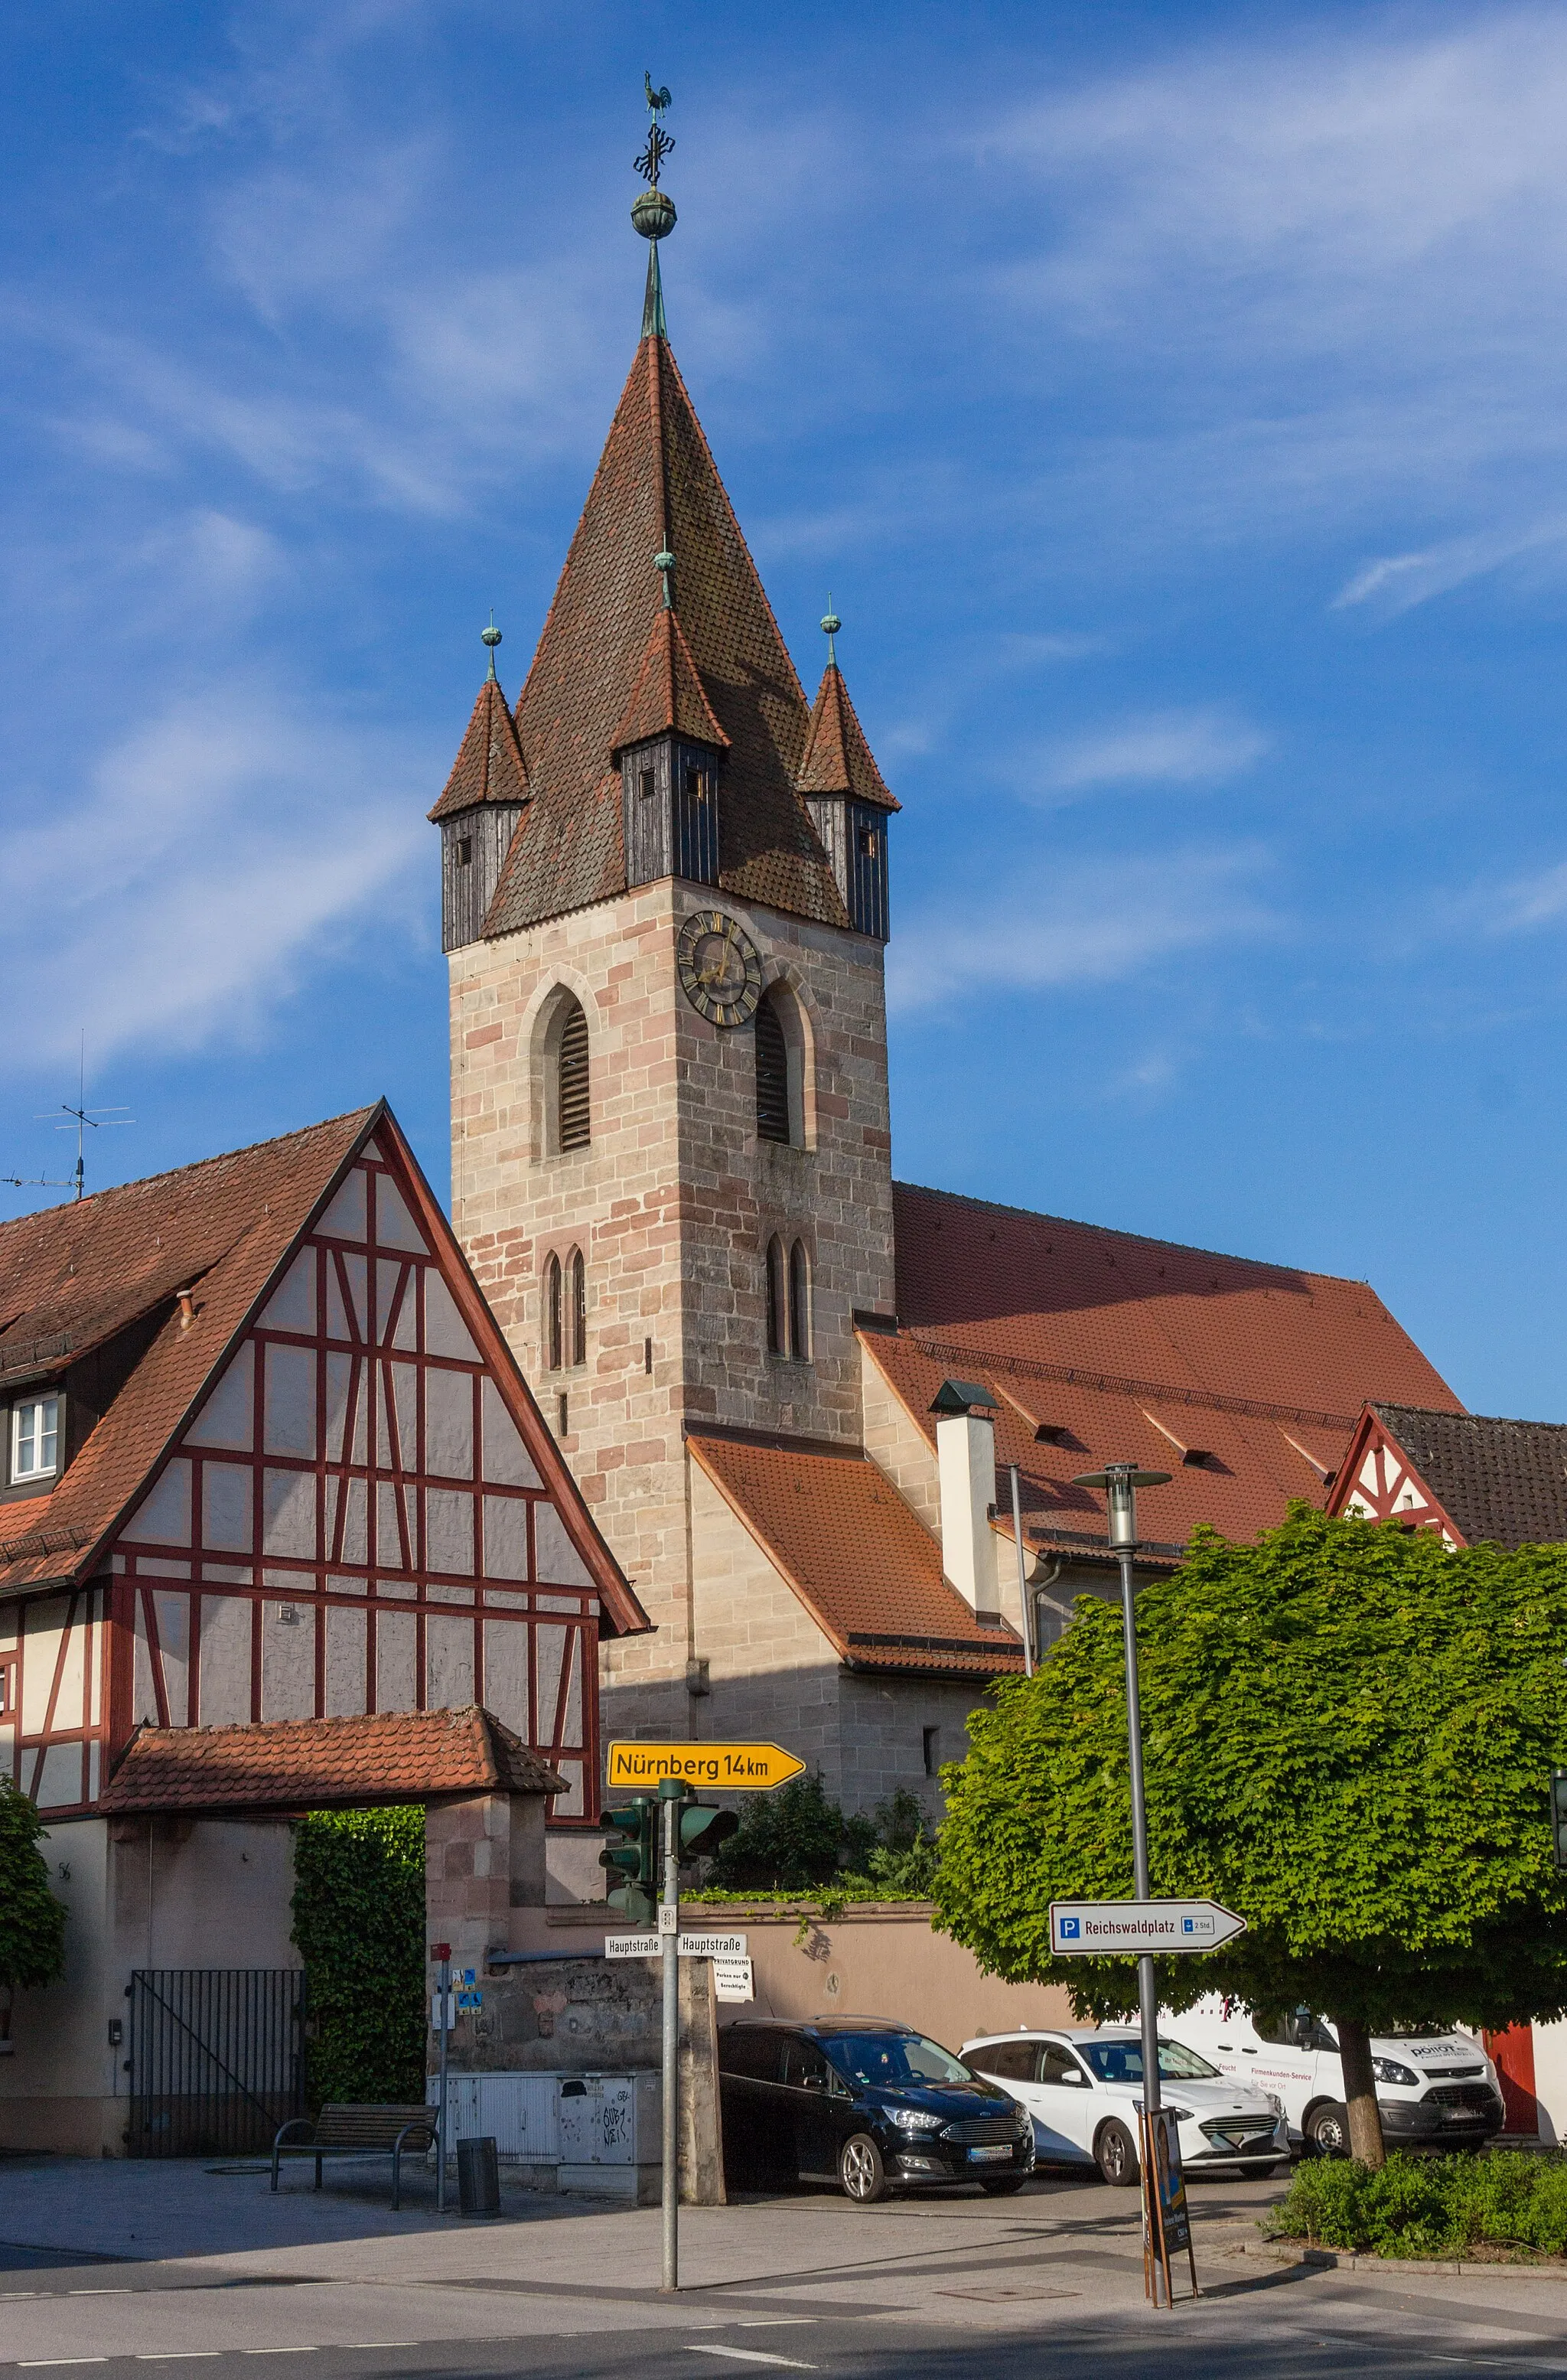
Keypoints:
pixel 1327 2130
pixel 861 2171
pixel 1115 2156
pixel 1006 2185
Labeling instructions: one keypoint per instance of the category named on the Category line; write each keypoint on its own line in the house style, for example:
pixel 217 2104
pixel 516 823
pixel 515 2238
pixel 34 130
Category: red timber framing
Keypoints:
pixel 352 1522
pixel 1377 1481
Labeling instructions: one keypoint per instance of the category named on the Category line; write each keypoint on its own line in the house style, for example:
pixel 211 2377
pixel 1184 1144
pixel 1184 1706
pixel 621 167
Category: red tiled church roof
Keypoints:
pixel 657 485
pixel 861 1561
pixel 667 697
pixel 838 759
pixel 310 1764
pixel 489 766
pixel 1100 1345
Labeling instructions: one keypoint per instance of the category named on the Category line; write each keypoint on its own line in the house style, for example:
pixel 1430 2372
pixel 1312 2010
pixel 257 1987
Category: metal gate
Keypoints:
pixel 217 2058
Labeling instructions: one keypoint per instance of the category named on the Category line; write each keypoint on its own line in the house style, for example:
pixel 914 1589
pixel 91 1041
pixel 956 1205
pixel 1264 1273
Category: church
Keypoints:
pixel 829 1424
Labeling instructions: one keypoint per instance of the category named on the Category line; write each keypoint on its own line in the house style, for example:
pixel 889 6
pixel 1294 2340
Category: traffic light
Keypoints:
pixel 703 1829
pixel 632 1859
pixel 1559 1817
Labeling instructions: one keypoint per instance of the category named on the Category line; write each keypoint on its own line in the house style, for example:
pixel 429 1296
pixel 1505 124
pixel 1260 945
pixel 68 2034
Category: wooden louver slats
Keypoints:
pixel 573 1109
pixel 773 1075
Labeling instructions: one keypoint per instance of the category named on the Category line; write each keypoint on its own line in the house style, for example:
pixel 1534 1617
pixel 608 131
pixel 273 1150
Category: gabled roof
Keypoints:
pixel 657 486
pixel 864 1565
pixel 668 699
pixel 1102 1346
pixel 228 1226
pixel 1498 1482
pixel 838 759
pixel 489 766
pixel 311 1763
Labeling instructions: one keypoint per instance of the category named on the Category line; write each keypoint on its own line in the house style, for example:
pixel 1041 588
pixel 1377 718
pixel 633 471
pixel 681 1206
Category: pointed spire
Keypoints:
pixel 489 766
pixel 668 698
pixel 654 325
pixel 657 490
pixel 838 759
pixel 491 636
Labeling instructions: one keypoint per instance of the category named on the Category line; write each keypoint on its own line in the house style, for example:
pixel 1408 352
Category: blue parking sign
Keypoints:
pixel 1070 1929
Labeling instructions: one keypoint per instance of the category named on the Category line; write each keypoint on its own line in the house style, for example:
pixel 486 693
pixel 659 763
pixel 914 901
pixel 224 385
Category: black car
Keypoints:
pixel 868 2104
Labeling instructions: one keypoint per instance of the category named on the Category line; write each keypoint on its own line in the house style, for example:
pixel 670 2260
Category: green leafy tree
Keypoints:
pixel 359 1920
pixel 32 1923
pixel 791 1840
pixel 1348 1737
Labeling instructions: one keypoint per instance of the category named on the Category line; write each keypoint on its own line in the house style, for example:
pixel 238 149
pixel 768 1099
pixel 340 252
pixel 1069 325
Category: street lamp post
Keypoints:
pixel 1121 1482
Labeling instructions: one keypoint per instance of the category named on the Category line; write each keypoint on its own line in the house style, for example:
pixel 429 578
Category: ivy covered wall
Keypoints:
pixel 359 1920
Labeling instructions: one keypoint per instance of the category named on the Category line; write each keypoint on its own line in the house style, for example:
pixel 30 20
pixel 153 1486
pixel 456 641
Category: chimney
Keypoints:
pixel 966 1457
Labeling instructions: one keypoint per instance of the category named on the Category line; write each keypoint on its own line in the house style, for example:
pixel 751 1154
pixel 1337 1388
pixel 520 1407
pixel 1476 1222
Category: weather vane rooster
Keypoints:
pixel 660 142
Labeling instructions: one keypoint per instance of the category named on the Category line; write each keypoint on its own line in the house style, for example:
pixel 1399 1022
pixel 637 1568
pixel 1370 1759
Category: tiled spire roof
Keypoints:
pixel 668 698
pixel 489 766
pixel 657 488
pixel 838 759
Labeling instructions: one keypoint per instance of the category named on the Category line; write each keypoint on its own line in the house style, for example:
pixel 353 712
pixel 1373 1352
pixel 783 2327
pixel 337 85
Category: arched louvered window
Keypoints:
pixel 577 1277
pixel 571 1063
pixel 777 1299
pixel 552 1317
pixel 773 1074
pixel 799 1303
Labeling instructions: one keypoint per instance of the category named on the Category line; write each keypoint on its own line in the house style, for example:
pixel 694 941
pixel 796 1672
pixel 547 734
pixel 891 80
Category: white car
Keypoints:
pixel 1433 2088
pixel 1084 2089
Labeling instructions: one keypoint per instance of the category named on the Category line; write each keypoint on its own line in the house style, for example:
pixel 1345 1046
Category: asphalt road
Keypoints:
pixel 1049 2283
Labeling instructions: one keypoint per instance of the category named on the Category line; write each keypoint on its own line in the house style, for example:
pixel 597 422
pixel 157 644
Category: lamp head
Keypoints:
pixel 1121 1482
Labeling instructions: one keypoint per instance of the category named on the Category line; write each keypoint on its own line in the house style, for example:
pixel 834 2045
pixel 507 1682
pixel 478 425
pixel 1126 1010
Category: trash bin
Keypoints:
pixel 479 2177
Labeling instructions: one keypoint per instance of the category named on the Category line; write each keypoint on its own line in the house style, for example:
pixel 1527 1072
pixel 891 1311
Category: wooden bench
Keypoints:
pixel 358 2132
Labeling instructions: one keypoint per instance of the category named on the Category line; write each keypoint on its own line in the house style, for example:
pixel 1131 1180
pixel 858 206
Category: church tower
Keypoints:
pixel 664 899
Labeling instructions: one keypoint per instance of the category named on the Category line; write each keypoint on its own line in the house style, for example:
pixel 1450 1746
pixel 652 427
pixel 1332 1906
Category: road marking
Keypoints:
pixel 48 2363
pixel 277 2350
pixel 99 2293
pixel 755 2355
pixel 178 2354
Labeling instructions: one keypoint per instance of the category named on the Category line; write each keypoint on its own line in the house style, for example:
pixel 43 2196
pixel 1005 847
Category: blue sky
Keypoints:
pixel 1171 398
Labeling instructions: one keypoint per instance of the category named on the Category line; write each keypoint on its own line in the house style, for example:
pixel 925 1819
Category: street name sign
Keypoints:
pixel 692 1946
pixel 724 1767
pixel 1099 1929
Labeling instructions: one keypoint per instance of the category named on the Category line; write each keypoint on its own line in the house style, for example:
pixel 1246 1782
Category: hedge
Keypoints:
pixel 359 1920
pixel 1430 2205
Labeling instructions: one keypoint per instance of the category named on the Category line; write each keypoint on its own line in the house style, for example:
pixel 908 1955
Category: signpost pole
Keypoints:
pixel 443 1952
pixel 671 1794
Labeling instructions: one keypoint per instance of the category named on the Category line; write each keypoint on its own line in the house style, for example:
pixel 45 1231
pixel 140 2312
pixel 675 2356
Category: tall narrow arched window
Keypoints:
pixel 777 1299
pixel 799 1303
pixel 552 1335
pixel 571 1079
pixel 773 1074
pixel 577 1279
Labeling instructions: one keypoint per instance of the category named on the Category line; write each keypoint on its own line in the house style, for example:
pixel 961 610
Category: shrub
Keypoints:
pixel 790 1840
pixel 32 1923
pixel 359 1920
pixel 1430 2206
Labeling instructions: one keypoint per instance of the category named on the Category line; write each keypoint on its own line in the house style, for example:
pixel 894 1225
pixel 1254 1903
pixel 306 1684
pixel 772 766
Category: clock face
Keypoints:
pixel 720 968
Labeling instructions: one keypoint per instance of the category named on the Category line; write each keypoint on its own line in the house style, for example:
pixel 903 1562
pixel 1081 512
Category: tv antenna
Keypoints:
pixel 85 1119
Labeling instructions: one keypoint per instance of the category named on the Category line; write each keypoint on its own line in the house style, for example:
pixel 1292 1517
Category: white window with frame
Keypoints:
pixel 35 1440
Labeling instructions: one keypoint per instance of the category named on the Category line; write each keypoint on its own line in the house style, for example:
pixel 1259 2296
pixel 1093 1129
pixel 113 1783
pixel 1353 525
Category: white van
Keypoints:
pixel 1434 2089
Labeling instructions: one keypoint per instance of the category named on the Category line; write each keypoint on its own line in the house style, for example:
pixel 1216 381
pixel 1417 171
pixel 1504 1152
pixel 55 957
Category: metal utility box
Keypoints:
pixel 596 2134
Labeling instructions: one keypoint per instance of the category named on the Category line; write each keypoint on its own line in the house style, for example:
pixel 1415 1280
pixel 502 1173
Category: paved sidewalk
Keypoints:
pixel 206 2263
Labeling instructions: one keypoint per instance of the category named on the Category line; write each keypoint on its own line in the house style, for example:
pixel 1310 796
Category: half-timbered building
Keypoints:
pixel 1474 1478
pixel 268 1458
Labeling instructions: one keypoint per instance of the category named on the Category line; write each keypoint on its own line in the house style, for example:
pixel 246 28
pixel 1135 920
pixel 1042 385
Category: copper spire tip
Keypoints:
pixel 491 636
pixel 831 625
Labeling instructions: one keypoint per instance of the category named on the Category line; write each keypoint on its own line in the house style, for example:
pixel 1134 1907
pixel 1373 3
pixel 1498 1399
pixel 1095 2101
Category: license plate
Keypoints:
pixel 978 2154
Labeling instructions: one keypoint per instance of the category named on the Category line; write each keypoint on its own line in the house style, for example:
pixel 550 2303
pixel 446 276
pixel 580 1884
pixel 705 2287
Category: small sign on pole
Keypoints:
pixel 1167 2225
pixel 1110 1929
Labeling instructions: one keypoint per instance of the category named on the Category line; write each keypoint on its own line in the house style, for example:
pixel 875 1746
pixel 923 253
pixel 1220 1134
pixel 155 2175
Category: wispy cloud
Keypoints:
pixel 216 853
pixel 1397 582
pixel 1171 748
pixel 1077 926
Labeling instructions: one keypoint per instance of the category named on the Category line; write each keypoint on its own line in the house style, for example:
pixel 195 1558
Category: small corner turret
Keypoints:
pixel 477 813
pixel 848 798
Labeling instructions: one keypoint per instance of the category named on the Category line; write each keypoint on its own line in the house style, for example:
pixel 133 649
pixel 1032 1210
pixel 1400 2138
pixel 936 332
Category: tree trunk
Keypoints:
pixel 1365 2143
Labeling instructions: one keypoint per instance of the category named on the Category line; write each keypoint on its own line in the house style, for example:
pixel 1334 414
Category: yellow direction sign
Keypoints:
pixel 724 1767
